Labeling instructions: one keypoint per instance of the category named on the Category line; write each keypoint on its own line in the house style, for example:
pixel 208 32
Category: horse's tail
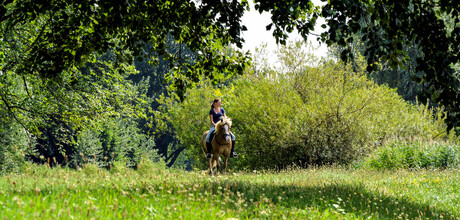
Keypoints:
pixel 203 143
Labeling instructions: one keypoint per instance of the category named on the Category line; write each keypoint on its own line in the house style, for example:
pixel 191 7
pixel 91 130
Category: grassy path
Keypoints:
pixel 157 193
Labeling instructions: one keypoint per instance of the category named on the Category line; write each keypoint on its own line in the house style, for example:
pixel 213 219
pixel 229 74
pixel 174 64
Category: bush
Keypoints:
pixel 118 139
pixel 15 145
pixel 417 154
pixel 327 114
pixel 119 167
pixel 147 166
pixel 347 116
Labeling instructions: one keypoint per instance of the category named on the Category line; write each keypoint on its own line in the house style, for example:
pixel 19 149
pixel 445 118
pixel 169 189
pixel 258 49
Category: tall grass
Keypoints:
pixel 415 154
pixel 159 193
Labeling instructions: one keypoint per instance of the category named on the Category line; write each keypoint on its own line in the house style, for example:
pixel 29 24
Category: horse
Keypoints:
pixel 221 144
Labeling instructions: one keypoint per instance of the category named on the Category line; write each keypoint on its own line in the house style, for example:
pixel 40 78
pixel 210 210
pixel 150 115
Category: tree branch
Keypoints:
pixel 173 156
pixel 25 85
pixel 14 115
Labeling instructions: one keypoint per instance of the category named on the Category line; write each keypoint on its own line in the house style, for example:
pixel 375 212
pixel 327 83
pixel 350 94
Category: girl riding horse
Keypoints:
pixel 221 144
pixel 215 114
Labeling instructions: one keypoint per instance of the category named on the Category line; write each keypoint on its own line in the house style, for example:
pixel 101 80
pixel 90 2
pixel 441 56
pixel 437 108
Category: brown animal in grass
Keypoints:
pixel 221 144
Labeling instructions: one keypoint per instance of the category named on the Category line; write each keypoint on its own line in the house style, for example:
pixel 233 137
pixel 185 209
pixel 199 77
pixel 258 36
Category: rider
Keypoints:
pixel 215 113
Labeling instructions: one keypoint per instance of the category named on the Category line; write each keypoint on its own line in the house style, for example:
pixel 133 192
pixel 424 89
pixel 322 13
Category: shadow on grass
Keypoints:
pixel 340 198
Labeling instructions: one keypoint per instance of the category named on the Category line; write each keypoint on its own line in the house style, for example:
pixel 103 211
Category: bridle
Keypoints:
pixel 225 135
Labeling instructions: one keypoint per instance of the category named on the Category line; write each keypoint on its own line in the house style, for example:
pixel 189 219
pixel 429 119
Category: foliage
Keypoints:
pixel 15 144
pixel 387 26
pixel 64 64
pixel 154 76
pixel 50 38
pixel 147 165
pixel 55 112
pixel 98 90
pixel 15 141
pixel 402 154
pixel 400 78
pixel 348 116
pixel 332 115
pixel 186 120
pixel 109 95
pixel 330 193
pixel 117 139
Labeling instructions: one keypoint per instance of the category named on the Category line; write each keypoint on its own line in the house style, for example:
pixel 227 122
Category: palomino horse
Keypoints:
pixel 221 144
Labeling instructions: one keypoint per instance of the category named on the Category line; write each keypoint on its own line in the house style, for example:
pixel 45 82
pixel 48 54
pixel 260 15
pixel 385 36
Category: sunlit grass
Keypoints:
pixel 322 193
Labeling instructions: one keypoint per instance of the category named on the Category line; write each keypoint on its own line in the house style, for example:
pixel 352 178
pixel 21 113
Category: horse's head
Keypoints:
pixel 223 128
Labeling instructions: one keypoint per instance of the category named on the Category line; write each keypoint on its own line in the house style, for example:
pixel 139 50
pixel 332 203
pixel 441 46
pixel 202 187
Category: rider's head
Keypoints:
pixel 216 103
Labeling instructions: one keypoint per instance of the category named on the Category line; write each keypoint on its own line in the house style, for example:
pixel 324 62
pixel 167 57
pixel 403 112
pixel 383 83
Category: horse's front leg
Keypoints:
pixel 217 162
pixel 210 165
pixel 225 165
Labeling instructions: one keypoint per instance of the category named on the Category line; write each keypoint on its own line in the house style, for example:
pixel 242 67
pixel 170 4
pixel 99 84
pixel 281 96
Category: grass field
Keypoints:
pixel 153 192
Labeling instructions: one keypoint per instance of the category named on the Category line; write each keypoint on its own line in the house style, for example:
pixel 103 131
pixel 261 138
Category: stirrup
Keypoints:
pixel 234 155
pixel 208 156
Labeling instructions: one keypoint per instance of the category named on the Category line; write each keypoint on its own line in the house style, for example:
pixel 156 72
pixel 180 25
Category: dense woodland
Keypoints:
pixel 105 81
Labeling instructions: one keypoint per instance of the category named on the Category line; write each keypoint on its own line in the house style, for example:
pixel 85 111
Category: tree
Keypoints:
pixel 332 114
pixel 56 36
pixel 155 75
pixel 45 46
pixel 386 26
pixel 399 77
pixel 96 87
pixel 48 38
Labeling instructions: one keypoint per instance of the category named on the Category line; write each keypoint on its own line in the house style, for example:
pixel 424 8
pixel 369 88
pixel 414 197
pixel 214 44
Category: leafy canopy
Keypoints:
pixel 387 26
pixel 56 36
pixel 304 115
pixel 49 38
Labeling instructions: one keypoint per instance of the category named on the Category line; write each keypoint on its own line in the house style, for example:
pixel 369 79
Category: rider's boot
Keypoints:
pixel 209 149
pixel 232 152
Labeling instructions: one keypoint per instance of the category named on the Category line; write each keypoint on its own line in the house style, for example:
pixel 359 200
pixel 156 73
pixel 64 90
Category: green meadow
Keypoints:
pixel 103 106
pixel 155 192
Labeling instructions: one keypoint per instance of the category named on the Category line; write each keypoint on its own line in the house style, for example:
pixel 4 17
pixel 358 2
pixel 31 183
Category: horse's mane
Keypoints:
pixel 224 120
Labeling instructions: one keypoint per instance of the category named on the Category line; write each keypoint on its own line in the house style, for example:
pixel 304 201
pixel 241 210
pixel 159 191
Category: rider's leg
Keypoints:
pixel 232 152
pixel 209 134
pixel 209 149
pixel 208 142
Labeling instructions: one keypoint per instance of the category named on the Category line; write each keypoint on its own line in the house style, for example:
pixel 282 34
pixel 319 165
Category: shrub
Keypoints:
pixel 118 138
pixel 92 169
pixel 326 114
pixel 147 166
pixel 416 154
pixel 15 144
pixel 347 115
pixel 119 167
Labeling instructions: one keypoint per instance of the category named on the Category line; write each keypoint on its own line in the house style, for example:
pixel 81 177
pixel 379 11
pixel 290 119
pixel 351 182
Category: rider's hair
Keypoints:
pixel 215 101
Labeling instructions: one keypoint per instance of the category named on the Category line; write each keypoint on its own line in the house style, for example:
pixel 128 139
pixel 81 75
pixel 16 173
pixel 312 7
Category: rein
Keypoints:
pixel 217 142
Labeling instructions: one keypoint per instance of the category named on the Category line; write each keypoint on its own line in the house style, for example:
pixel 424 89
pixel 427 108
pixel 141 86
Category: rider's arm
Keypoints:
pixel 212 121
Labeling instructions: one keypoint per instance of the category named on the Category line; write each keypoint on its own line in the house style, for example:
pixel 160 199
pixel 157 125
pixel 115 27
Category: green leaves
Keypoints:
pixel 69 32
pixel 308 112
pixel 385 27
pixel 289 15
